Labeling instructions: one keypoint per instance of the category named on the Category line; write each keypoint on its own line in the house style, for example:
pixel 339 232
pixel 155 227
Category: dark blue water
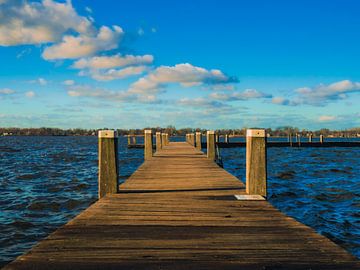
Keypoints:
pixel 46 181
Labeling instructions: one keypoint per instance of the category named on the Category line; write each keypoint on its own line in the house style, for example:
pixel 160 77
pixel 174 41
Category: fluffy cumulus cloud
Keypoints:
pixel 106 62
pixel 107 68
pixel 320 95
pixel 245 95
pixel 23 22
pixel 72 47
pixel 113 74
pixel 68 35
pixel 185 74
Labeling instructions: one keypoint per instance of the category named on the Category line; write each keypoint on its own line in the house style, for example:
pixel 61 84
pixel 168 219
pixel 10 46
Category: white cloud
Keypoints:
pixel 327 118
pixel 88 91
pixel 72 47
pixel 6 91
pixel 185 74
pixel 141 32
pixel 40 81
pixel 113 74
pixel 110 95
pixel 280 101
pixel 88 9
pixel 68 82
pixel 105 62
pixel 201 102
pixel 220 87
pixel 23 22
pixel 323 94
pixel 23 53
pixel 245 95
pixel 30 94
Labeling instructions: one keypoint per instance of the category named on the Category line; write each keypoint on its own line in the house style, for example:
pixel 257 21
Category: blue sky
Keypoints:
pixel 209 64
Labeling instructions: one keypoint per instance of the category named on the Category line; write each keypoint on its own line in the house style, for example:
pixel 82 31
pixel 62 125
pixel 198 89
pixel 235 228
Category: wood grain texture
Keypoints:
pixel 198 140
pixel 158 141
pixel 108 166
pixel 256 166
pixel 148 145
pixel 178 211
pixel 210 144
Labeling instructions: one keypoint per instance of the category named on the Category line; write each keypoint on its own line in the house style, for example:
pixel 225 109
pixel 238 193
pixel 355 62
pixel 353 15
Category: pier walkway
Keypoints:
pixel 178 211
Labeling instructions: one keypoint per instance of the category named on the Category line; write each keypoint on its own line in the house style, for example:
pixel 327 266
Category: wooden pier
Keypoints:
pixel 290 143
pixel 178 211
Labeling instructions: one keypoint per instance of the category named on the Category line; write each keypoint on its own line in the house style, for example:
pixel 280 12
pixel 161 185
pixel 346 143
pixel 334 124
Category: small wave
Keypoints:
pixel 29 176
pixel 40 206
pixel 20 224
pixel 286 175
pixel 9 149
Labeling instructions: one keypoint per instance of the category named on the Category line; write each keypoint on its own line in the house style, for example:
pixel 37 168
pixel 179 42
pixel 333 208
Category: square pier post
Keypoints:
pixel 108 163
pixel 198 140
pixel 158 141
pixel 210 142
pixel 148 144
pixel 256 173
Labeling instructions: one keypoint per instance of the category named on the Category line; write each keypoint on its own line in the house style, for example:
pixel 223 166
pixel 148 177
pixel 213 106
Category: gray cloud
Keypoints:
pixel 245 95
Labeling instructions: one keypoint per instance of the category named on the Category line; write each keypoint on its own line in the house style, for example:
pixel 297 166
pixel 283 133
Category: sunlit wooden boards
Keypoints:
pixel 178 211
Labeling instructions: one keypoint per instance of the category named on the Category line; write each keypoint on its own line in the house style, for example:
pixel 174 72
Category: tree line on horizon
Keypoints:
pixel 278 132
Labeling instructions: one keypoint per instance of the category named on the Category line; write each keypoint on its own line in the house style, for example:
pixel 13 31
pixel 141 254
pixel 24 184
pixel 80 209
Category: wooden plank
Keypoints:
pixel 178 211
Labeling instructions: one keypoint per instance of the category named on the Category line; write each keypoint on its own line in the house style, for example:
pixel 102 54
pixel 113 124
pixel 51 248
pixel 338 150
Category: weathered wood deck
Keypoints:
pixel 177 211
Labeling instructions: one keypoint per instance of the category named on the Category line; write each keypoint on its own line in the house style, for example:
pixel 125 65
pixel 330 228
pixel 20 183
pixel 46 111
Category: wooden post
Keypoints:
pixel 128 139
pixel 163 139
pixel 210 142
pixel 226 140
pixel 217 138
pixel 108 163
pixel 198 141
pixel 134 139
pixel 187 137
pixel 148 143
pixel 310 138
pixel 290 139
pixel 192 139
pixel 167 138
pixel 321 138
pixel 299 139
pixel 256 162
pixel 158 141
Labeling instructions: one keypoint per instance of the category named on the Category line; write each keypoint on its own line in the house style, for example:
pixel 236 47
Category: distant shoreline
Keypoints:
pixel 278 132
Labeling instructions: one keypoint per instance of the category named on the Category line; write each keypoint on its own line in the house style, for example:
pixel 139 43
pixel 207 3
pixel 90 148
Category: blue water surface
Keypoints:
pixel 46 181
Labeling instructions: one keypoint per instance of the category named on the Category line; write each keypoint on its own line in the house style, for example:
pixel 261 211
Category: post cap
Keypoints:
pixel 255 133
pixel 210 132
pixel 158 133
pixel 107 133
pixel 148 131
pixel 197 132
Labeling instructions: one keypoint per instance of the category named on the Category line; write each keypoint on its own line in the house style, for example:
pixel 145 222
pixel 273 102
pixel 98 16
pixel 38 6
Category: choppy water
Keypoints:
pixel 46 181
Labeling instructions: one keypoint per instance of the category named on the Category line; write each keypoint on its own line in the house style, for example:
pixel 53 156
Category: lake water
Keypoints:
pixel 46 181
